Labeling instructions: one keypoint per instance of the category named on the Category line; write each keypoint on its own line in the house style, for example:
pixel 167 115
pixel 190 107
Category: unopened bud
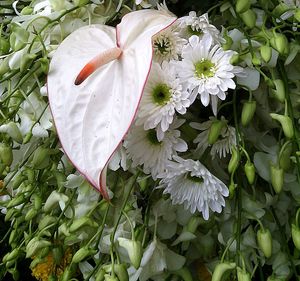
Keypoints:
pixel 4 46
pixel 215 131
pixel 134 250
pixel 264 240
pixel 19 199
pixel 242 6
pixel 249 18
pixel 26 60
pixel 285 157
pixel 266 53
pixel 26 10
pixel 280 43
pixel 221 269
pixel 6 155
pixel 248 112
pixel 81 222
pixel 31 214
pixel 277 178
pixel 4 66
pixel 82 254
pixel 121 272
pixel 279 91
pixel 39 156
pixel 255 60
pixel 184 273
pixel 243 275
pixel 250 172
pixel 234 160
pixel 286 124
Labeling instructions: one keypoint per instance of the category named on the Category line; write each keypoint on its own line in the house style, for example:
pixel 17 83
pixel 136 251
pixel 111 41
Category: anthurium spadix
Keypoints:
pixel 95 82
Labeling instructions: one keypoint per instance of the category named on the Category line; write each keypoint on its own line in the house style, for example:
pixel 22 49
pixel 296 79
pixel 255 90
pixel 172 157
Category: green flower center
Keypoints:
pixel 152 137
pixel 194 178
pixel 161 94
pixel 162 46
pixel 204 68
pixel 192 31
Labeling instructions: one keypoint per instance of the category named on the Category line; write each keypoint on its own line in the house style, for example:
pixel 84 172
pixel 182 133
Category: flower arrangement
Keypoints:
pixel 149 140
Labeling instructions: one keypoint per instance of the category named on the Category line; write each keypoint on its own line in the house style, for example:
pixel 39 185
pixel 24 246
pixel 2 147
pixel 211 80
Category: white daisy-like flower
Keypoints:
pixel 167 45
pixel 163 96
pixel 226 140
pixel 144 148
pixel 194 25
pixel 190 183
pixel 207 70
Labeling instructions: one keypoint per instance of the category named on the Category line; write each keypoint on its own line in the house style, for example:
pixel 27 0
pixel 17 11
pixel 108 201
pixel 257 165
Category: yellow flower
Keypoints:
pixel 48 267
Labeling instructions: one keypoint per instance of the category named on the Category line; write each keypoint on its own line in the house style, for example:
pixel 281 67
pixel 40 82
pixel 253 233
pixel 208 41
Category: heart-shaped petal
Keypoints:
pixel 92 118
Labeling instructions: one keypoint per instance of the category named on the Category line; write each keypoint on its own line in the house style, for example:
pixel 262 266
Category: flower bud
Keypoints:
pixel 39 156
pixel 277 178
pixel 11 213
pixel 285 157
pixel 249 18
pixel 110 278
pixel 81 222
pixel 264 240
pixel 4 66
pixel 227 45
pixel 31 214
pixel 26 60
pixel 13 131
pixel 134 250
pixel 121 272
pixel 234 59
pixel 255 60
pixel 46 221
pixel 296 236
pixel 279 91
pixel 12 236
pixel 280 43
pixel 266 53
pixel 67 274
pixel 286 124
pixel 248 112
pixel 232 188
pixel 11 256
pixel 82 254
pixel 53 199
pixel 184 273
pixel 100 275
pixel 215 131
pixel 234 160
pixel 221 269
pixel 26 11
pixel 250 172
pixel 19 199
pixel 6 155
pixel 243 275
pixel 34 245
pixel 242 6
pixel 44 65
pixel 27 137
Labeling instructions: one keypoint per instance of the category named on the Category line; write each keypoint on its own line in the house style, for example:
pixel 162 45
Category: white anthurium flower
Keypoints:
pixel 167 45
pixel 190 183
pixel 144 148
pixel 163 97
pixel 222 147
pixel 207 69
pixel 194 25
pixel 95 92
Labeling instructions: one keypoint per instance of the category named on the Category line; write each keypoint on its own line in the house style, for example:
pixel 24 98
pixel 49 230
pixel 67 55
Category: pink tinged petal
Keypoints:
pixel 91 119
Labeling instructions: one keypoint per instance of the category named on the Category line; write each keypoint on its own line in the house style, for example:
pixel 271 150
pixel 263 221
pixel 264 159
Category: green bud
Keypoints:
pixel 184 273
pixel 4 46
pixel 243 275
pixel 44 62
pixel 134 250
pixel 26 11
pixel 221 269
pixel 19 199
pixel 121 272
pixel 250 172
pixel 10 264
pixel 248 112
pixel 110 278
pixel 27 137
pixel 34 245
pixel 266 53
pixel 286 124
pixel 46 221
pixel 13 235
pixel 280 43
pixel 227 45
pixel 67 274
pixel 234 60
pixel 18 37
pixel 29 173
pixel 11 213
pixel 296 236
pixel 31 214
pixel 6 155
pixel 81 222
pixel 100 275
pixel 264 240
pixel 215 131
pixel 279 91
pixel 255 60
pixel 82 254
pixel 12 255
pixel 232 187
pixel 277 178
pixel 234 160
pixel 249 18
pixel 242 6
pixel 37 200
pixel 40 155
pixel 26 61
pixel 285 157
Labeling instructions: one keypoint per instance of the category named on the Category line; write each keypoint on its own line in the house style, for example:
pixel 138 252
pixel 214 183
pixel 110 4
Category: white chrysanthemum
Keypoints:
pixel 207 70
pixel 226 140
pixel 167 45
pixel 145 149
pixel 194 25
pixel 163 96
pixel 190 183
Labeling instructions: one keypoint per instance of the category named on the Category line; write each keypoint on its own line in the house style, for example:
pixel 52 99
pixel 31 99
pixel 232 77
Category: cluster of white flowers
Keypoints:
pixel 188 62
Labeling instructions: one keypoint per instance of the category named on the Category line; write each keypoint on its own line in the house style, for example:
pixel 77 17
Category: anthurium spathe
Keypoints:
pixel 95 82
